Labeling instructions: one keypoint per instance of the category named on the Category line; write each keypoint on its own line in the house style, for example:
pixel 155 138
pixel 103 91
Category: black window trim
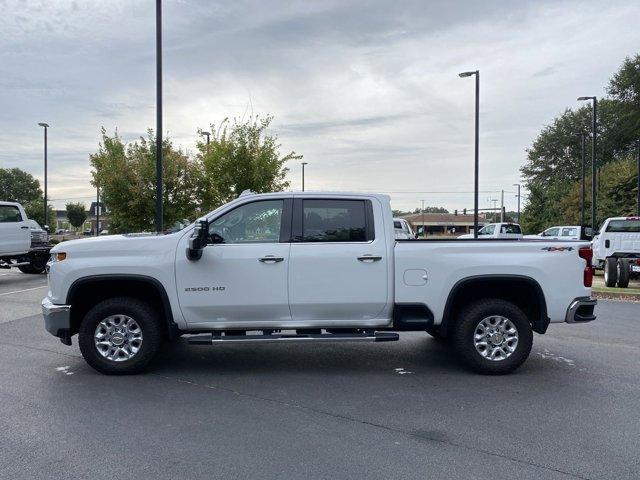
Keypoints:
pixel 296 223
pixel 285 219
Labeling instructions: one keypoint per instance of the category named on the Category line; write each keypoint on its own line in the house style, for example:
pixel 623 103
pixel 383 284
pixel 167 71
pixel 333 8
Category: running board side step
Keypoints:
pixel 207 339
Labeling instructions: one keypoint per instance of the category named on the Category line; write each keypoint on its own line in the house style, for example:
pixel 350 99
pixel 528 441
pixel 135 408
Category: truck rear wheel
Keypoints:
pixel 120 336
pixel 610 272
pixel 623 273
pixel 492 337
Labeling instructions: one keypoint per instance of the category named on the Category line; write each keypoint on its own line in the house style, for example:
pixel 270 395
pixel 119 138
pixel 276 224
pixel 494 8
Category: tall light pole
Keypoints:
pixel 303 164
pixel 159 116
pixel 477 163
pixel 46 210
pixel 97 211
pixel 583 136
pixel 518 195
pixel 594 140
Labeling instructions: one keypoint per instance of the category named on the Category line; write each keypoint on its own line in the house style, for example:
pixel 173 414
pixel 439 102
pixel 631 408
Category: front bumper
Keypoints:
pixel 57 320
pixel 581 310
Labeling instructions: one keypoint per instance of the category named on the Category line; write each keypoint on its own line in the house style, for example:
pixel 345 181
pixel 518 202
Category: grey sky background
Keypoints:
pixel 367 91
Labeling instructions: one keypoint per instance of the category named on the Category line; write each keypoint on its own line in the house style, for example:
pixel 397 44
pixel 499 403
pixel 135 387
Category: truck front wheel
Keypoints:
pixel 610 271
pixel 120 336
pixel 492 337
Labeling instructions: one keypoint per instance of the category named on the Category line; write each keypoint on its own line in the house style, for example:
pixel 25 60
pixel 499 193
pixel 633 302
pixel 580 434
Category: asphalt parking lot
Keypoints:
pixel 394 410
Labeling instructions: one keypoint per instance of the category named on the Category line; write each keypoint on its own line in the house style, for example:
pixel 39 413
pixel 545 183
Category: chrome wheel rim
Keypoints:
pixel 118 338
pixel 495 338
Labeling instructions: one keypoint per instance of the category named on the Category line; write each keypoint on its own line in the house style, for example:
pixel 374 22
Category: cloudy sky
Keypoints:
pixel 367 91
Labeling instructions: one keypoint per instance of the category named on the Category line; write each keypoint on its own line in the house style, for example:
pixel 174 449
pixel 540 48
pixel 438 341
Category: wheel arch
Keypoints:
pixel 523 291
pixel 85 292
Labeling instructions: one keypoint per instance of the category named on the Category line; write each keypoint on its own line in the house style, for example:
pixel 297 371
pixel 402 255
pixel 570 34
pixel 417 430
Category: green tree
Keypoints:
pixel 16 185
pixel 553 165
pixel 240 156
pixel 126 175
pixel 76 214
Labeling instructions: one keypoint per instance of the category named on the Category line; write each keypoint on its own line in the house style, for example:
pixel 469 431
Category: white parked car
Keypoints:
pixel 402 229
pixel 616 249
pixel 16 249
pixel 310 267
pixel 561 232
pixel 497 230
pixel 39 236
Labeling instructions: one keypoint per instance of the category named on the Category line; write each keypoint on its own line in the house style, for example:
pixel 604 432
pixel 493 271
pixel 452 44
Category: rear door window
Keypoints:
pixel 569 232
pixel 510 228
pixel 326 220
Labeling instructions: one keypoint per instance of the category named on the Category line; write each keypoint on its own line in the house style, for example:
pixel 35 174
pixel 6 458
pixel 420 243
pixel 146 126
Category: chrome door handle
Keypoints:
pixel 369 258
pixel 271 259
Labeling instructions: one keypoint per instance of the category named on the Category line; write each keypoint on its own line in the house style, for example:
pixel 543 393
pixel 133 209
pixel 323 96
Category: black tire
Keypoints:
pixel 37 265
pixel 148 322
pixel 610 272
pixel 467 324
pixel 623 273
pixel 436 333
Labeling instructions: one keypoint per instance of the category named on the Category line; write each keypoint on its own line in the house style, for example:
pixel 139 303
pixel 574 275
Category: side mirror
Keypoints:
pixel 198 240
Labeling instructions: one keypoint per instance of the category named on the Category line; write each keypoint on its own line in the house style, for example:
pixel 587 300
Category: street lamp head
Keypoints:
pixel 586 98
pixel 305 163
pixel 205 133
pixel 45 125
pixel 467 74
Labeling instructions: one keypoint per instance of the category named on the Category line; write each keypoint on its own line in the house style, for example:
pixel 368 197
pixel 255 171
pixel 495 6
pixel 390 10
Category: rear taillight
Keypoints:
pixel 587 276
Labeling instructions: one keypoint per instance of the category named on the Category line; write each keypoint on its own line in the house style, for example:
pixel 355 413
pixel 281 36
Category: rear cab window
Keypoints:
pixel 628 225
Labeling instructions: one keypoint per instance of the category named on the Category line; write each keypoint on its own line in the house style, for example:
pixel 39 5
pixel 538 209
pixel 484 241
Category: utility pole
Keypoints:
pixel 159 193
pixel 502 206
pixel 303 164
pixel 46 209
pixel 424 231
pixel 594 163
pixel 638 211
pixel 518 195
pixel 97 211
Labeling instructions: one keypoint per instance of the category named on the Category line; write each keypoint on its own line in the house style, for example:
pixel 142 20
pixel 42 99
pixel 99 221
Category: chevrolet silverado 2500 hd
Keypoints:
pixel 310 267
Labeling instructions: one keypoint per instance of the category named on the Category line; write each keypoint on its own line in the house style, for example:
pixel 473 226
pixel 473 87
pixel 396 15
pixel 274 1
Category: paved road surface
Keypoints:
pixel 395 410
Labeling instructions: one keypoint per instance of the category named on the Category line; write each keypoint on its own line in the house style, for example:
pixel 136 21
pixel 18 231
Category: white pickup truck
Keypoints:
pixel 16 246
pixel 308 267
pixel 616 249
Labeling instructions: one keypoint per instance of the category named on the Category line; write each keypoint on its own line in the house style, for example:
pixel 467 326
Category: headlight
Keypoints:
pixel 58 256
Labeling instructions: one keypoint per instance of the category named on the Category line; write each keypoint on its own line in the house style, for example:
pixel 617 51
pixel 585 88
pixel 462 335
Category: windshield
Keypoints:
pixel 629 225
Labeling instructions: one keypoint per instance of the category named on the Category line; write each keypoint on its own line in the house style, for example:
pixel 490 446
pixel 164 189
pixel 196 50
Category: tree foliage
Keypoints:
pixel 240 156
pixel 126 176
pixel 16 185
pixel 76 214
pixel 553 167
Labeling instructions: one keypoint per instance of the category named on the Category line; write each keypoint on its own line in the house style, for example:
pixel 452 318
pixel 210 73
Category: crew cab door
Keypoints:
pixel 338 272
pixel 15 234
pixel 241 279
